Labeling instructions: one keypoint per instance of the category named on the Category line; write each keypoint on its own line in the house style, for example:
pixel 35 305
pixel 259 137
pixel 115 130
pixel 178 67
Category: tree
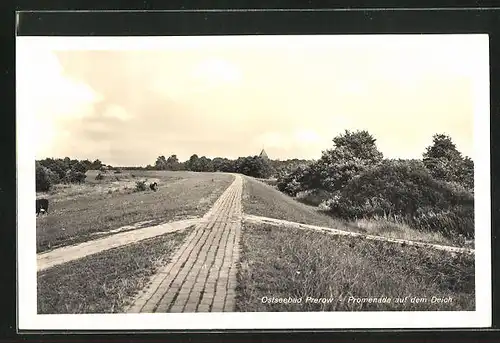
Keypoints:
pixel 42 178
pixel 466 173
pixel 96 165
pixel 359 145
pixel 291 183
pixel 191 164
pixel 79 167
pixel 353 153
pixel 253 166
pixel 55 165
pixel 223 165
pixel 87 164
pixel 161 163
pixel 446 163
pixel 442 147
pixel 74 176
pixel 204 164
pixel 67 163
pixel 218 164
pixel 173 163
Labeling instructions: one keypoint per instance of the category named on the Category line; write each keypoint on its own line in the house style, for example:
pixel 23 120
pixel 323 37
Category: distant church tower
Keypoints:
pixel 263 155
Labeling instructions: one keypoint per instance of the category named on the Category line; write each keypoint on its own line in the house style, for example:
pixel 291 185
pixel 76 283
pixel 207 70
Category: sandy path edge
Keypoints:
pixel 65 254
pixel 279 222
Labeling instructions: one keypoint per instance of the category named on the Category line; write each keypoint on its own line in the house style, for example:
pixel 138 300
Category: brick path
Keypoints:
pixel 201 276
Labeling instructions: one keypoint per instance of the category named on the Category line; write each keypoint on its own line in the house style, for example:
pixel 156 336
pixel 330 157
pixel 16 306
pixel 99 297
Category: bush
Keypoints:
pixel 254 166
pixel 291 183
pixel 74 176
pixel 446 163
pixel 407 190
pixel 42 178
pixel 140 186
pixel 352 154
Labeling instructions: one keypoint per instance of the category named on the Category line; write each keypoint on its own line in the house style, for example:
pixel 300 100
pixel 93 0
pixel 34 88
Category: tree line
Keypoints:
pixel 251 165
pixel 52 171
pixel 354 180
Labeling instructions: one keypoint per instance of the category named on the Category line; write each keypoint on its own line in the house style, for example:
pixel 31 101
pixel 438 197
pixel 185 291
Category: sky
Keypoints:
pixel 127 101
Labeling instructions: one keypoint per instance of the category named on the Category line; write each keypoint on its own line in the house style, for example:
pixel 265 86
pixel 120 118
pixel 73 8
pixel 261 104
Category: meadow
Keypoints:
pixel 340 269
pixel 115 276
pixel 78 212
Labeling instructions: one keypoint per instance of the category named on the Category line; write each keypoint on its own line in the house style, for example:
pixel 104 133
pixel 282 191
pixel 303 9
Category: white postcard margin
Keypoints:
pixel 28 319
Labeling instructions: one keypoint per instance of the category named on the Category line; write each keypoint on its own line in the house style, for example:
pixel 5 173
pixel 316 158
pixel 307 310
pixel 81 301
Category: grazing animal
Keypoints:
pixel 42 205
pixel 153 186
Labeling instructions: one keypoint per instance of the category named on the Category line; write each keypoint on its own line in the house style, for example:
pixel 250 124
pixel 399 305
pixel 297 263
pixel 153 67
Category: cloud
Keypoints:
pixel 116 111
pixel 306 136
pixel 229 100
pixel 47 96
pixel 215 71
pixel 273 140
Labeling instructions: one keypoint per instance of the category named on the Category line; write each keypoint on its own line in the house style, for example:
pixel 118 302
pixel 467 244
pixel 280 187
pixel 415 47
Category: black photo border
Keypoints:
pixel 225 18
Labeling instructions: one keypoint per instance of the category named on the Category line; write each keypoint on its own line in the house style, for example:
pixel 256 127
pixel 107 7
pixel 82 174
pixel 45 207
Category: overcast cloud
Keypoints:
pixel 231 97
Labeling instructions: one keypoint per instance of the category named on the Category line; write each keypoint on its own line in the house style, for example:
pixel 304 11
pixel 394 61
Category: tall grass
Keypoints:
pixel 104 282
pixel 310 264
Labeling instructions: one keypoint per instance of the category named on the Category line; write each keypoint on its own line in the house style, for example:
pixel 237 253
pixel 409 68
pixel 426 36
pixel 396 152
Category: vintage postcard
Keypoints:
pixel 253 182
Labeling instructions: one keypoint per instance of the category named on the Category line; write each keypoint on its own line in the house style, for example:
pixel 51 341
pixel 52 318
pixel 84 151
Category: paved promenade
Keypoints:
pixel 201 276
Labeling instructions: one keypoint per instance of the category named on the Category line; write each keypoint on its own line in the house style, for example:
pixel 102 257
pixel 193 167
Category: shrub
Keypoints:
pixel 446 163
pixel 42 178
pixel 407 190
pixel 254 166
pixel 352 154
pixel 140 186
pixel 79 167
pixel 290 183
pixel 74 176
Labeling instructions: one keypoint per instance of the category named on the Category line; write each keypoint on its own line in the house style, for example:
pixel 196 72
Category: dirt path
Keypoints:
pixel 201 276
pixel 280 222
pixel 65 254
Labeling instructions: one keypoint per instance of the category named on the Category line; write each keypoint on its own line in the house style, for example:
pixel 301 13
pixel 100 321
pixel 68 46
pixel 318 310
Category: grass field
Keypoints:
pixel 103 283
pixel 261 199
pixel 77 211
pixel 310 264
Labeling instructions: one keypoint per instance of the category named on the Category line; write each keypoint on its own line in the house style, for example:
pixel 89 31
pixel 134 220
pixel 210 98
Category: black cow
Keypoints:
pixel 42 205
pixel 153 186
